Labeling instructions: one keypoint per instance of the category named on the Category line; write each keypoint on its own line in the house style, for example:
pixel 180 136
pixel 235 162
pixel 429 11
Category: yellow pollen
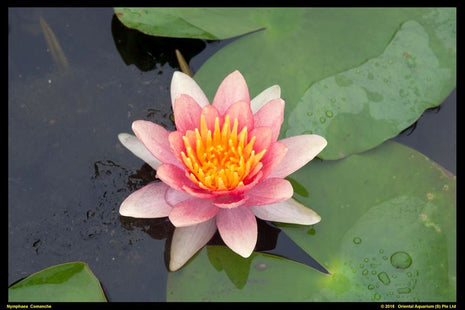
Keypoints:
pixel 222 159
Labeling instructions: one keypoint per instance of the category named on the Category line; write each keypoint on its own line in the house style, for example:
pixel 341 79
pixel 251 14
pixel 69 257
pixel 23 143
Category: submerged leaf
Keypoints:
pixel 54 46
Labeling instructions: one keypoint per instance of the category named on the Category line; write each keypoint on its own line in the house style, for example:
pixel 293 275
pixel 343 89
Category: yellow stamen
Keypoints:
pixel 221 159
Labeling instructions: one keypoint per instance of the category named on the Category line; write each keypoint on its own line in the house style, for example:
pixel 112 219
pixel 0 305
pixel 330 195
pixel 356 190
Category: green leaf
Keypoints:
pixel 373 205
pixel 357 76
pixel 387 234
pixel 69 282
pixel 200 23
pixel 361 107
pixel 267 278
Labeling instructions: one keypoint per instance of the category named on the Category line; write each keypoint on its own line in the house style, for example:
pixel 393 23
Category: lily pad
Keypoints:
pixel 69 282
pixel 211 277
pixel 387 234
pixel 373 205
pixel 199 23
pixel 361 107
pixel 358 76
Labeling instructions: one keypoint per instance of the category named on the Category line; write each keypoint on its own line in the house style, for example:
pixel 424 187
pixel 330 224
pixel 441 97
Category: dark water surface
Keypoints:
pixel 68 173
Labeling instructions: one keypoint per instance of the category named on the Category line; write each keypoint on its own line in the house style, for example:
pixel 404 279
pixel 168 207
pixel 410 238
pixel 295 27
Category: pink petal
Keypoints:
pixel 273 157
pixel 228 201
pixel 186 113
pixel 231 90
pixel 263 138
pixel 191 138
pixel 238 229
pixel 177 144
pixel 155 139
pixel 147 202
pixel 181 83
pixel 288 211
pixel 271 115
pixel 249 183
pixel 254 176
pixel 301 150
pixel 192 211
pixel 188 240
pixel 269 191
pixel 173 196
pixel 242 112
pixel 173 176
pixel 137 148
pixel 198 192
pixel 265 96
pixel 211 113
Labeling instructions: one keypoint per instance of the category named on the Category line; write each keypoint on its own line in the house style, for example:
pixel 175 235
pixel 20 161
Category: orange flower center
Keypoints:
pixel 220 160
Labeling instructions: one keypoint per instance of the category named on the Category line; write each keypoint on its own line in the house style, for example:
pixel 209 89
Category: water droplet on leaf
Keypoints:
pixel 357 240
pixel 404 290
pixel 261 266
pixel 401 260
pixel 411 62
pixel 374 96
pixel 384 278
pixel 403 93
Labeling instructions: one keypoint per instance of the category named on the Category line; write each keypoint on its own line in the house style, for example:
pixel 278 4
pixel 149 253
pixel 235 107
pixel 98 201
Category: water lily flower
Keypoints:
pixel 222 167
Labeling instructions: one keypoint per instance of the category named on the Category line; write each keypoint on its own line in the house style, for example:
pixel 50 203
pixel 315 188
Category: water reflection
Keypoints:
pixel 146 51
pixel 161 228
pixel 54 46
pixel 410 129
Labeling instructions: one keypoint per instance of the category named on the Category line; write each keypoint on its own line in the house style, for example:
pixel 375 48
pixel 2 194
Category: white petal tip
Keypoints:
pixel 133 144
pixel 182 83
pixel 276 90
pixel 245 254
pixel 174 266
pixel 315 220
pixel 310 217
pixel 123 211
pixel 319 141
pixel 123 136
pixel 272 92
